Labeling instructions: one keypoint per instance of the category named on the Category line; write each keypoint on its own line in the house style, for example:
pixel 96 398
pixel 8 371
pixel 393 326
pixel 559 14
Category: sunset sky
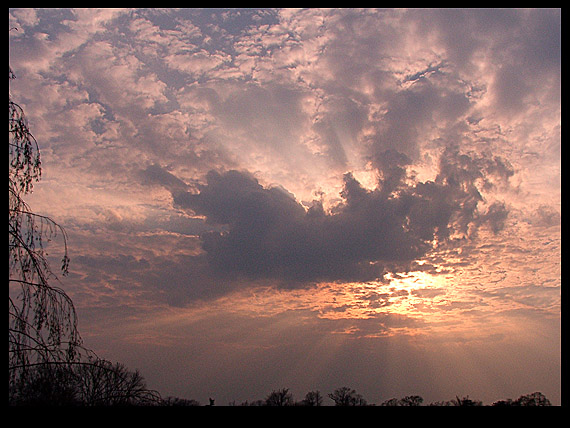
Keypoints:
pixel 305 198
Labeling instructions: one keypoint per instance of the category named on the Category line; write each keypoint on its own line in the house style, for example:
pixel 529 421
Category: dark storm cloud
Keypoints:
pixel 155 174
pixel 269 235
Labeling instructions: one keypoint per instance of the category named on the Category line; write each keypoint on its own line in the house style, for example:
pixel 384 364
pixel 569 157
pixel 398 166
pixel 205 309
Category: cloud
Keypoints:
pixel 508 47
pixel 391 117
pixel 546 216
pixel 154 174
pixel 269 235
pixel 495 216
pixel 227 179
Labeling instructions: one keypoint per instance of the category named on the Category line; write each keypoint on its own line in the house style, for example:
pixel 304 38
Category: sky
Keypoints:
pixel 305 198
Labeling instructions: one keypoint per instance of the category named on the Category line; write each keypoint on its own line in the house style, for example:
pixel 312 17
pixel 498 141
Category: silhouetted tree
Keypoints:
pixel 346 396
pixel 465 401
pixel 391 402
pixel 98 383
pixel 47 363
pixel 281 397
pixel 47 384
pixel 534 399
pixel 409 400
pixel 312 398
pixel 502 403
pixel 412 400
pixel 441 403
pixel 42 324
pixel 105 384
pixel 179 402
pixel 255 403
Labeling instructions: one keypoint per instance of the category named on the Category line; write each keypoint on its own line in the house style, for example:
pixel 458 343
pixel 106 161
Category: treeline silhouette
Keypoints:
pixel 347 397
pixel 95 385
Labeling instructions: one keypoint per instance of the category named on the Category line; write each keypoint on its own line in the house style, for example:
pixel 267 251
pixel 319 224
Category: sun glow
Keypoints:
pixel 414 295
